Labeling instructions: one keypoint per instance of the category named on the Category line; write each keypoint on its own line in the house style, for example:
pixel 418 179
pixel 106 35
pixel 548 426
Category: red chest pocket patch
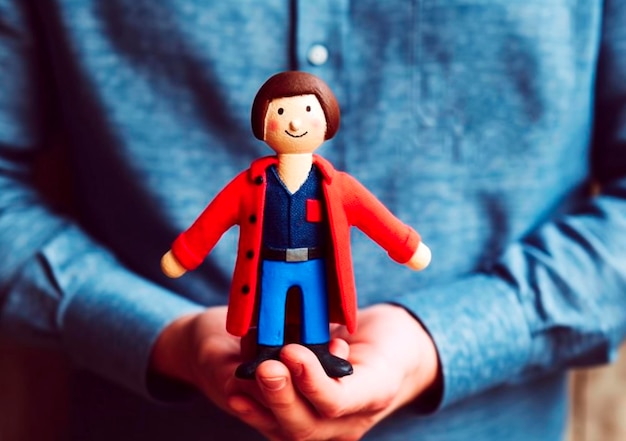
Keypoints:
pixel 314 211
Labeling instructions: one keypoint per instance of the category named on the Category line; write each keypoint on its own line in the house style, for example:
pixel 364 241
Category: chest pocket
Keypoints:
pixel 314 211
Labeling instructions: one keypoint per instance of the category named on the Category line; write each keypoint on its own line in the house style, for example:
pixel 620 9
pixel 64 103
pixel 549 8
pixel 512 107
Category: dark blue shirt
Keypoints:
pixel 293 220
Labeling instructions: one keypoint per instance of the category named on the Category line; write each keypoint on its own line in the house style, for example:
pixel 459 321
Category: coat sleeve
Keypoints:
pixel 367 213
pixel 193 245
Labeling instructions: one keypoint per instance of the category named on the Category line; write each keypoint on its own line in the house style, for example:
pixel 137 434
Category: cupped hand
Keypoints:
pixel 197 350
pixel 394 361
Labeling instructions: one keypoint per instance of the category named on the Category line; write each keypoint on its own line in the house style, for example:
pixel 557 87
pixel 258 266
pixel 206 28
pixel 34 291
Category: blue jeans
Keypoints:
pixel 276 279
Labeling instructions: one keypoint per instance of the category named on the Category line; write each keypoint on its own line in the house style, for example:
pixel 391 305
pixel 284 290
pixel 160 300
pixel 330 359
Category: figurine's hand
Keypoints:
pixel 394 361
pixel 171 267
pixel 421 258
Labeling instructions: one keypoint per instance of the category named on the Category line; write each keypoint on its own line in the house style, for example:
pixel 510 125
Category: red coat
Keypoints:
pixel 241 203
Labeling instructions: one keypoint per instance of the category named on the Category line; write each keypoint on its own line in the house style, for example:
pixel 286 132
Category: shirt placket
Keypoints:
pixel 320 34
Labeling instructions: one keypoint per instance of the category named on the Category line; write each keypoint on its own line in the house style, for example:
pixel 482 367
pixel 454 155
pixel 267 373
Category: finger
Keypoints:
pixel 253 413
pixel 293 413
pixel 361 392
pixel 324 393
pixel 240 387
pixel 339 347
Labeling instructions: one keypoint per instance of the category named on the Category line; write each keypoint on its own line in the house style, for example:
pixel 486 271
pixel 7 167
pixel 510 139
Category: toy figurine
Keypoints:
pixel 294 211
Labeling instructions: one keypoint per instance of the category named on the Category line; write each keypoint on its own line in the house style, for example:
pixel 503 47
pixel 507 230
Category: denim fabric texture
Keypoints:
pixel 481 123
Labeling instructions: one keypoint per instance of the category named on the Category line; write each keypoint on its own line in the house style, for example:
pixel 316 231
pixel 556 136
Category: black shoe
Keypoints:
pixel 334 367
pixel 247 370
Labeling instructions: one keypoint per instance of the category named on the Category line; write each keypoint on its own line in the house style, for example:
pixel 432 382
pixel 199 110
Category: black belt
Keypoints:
pixel 292 254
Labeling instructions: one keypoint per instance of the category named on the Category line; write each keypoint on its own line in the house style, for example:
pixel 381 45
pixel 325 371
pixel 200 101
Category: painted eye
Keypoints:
pixel 308 108
pixel 281 111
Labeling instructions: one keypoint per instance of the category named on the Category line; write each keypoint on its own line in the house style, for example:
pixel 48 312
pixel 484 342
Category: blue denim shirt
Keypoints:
pixel 482 123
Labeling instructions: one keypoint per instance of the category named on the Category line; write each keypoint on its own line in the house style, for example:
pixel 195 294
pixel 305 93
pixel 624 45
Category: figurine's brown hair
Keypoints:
pixel 294 83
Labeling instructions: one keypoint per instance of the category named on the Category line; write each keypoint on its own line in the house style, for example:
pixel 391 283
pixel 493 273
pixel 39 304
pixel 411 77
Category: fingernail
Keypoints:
pixel 274 383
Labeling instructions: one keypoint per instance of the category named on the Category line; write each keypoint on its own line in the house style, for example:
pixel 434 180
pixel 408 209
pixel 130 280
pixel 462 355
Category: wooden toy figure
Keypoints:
pixel 294 211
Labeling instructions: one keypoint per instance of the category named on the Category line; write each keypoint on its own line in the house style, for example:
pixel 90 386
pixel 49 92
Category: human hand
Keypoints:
pixel 197 350
pixel 394 361
pixel 421 258
pixel 171 267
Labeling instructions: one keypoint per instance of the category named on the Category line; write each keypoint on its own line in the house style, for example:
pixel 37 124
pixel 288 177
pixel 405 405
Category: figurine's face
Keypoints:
pixel 295 124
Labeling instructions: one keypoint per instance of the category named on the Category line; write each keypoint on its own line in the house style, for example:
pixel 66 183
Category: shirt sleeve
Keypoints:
pixel 557 299
pixel 58 287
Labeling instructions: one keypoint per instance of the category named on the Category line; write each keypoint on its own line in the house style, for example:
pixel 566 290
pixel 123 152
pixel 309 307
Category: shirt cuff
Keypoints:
pixel 479 330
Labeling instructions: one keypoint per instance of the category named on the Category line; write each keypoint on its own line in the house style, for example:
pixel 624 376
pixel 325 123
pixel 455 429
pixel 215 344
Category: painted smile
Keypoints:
pixel 295 136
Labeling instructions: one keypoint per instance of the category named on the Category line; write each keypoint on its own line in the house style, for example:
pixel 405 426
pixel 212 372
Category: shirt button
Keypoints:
pixel 318 54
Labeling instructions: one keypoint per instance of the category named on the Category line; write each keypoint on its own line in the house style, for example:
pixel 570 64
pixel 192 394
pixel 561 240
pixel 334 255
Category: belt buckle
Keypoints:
pixel 296 254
